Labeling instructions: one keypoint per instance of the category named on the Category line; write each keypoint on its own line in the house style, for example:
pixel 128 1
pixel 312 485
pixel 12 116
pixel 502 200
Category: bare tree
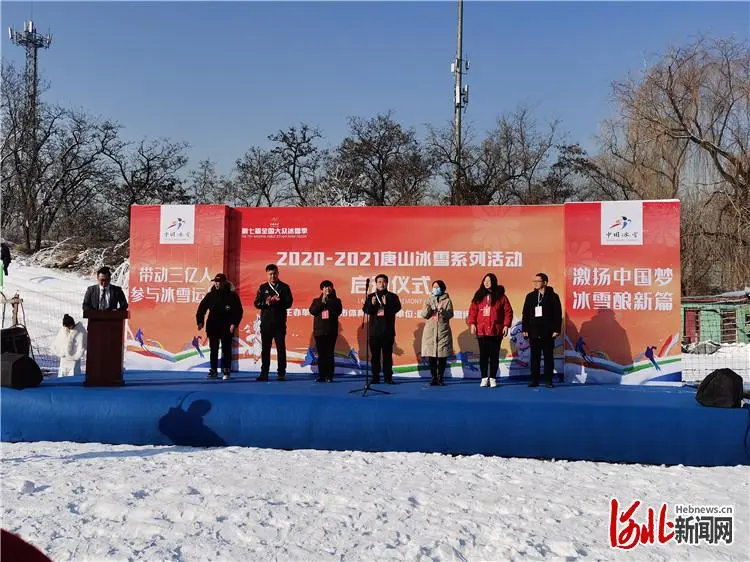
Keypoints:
pixel 700 94
pixel 698 97
pixel 204 183
pixel 300 161
pixel 631 165
pixel 386 160
pixel 257 180
pixel 53 172
pixel 338 186
pixel 683 131
pixel 146 173
pixel 517 162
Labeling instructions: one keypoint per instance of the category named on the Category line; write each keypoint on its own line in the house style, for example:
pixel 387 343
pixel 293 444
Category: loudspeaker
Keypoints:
pixel 19 371
pixel 15 340
pixel 722 388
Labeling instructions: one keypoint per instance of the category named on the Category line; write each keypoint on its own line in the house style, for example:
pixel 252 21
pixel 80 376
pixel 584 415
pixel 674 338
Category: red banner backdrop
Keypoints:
pixel 596 264
pixel 623 291
pixel 175 250
pixel 414 246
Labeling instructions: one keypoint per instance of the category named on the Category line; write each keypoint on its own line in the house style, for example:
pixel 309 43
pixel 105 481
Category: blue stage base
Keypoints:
pixel 639 424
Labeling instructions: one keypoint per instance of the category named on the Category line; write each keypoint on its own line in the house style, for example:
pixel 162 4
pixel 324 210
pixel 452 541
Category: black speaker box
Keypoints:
pixel 15 340
pixel 19 371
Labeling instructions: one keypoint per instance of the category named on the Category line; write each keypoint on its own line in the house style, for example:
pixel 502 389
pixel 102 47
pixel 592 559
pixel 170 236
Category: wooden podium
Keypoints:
pixel 105 353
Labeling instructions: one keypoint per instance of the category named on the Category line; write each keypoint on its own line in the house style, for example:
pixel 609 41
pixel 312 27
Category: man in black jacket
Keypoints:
pixel 224 315
pixel 382 306
pixel 273 299
pixel 104 296
pixel 541 324
pixel 5 257
pixel 326 310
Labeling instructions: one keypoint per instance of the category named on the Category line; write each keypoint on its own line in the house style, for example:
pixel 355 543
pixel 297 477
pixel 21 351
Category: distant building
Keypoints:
pixel 723 318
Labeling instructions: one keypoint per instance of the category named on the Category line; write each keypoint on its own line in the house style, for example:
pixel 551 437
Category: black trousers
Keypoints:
pixel 266 339
pixel 489 355
pixel 225 341
pixel 382 345
pixel 539 347
pixel 437 367
pixel 326 346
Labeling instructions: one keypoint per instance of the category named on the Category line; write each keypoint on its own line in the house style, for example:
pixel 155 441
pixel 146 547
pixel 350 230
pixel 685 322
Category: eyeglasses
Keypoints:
pixel 538 281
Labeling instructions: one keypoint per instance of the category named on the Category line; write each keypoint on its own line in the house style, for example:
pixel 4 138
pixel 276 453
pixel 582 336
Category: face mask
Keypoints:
pixel 437 291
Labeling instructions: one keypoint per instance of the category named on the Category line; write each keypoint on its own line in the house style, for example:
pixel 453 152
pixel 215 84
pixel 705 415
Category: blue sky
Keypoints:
pixel 223 76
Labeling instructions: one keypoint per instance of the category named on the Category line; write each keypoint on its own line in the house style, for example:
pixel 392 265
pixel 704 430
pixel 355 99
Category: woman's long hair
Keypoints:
pixel 495 291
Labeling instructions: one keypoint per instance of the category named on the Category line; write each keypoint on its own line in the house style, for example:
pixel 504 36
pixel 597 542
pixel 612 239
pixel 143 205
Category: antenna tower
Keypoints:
pixel 32 41
pixel 459 67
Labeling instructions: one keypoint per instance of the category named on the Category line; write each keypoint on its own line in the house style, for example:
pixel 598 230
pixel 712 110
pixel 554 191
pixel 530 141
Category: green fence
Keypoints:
pixel 715 335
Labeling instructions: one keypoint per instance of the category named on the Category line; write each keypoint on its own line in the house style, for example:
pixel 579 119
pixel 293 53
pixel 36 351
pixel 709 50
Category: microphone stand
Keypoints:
pixel 366 325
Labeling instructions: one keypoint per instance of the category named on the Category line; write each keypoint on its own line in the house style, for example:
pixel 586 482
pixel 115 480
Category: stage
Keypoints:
pixel 614 423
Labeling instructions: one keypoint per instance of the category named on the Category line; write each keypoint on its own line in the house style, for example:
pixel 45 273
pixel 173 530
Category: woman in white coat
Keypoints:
pixel 70 346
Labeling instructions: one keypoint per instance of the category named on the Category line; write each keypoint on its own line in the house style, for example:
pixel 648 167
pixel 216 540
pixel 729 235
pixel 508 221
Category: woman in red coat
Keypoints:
pixel 490 317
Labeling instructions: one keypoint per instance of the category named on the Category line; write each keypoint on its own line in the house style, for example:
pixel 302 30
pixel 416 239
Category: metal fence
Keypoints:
pixel 715 335
pixel 42 318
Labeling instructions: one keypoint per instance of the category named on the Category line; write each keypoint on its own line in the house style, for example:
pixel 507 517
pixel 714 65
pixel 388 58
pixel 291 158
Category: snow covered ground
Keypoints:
pixel 101 502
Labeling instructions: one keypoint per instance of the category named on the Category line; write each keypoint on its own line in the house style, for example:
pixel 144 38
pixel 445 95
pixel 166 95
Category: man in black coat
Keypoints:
pixel 326 310
pixel 382 307
pixel 224 315
pixel 541 324
pixel 5 257
pixel 273 299
pixel 104 296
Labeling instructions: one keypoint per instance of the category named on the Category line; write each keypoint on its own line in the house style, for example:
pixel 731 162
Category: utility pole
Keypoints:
pixel 460 101
pixel 32 41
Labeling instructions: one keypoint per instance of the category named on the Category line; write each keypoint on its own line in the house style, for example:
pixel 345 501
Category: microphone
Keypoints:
pixel 367 285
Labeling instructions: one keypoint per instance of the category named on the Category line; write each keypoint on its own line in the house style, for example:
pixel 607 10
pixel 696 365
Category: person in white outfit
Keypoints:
pixel 70 346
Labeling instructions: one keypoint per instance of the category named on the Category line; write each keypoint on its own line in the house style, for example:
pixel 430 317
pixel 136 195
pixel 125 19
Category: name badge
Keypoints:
pixel 538 311
pixel 381 312
pixel 324 315
pixel 486 311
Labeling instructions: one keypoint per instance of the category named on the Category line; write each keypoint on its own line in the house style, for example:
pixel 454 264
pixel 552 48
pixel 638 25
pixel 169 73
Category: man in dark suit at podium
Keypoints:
pixel 104 296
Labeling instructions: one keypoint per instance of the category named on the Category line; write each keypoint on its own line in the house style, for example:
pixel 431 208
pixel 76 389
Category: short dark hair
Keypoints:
pixel 104 271
pixel 440 283
pixel 326 283
pixel 68 321
pixel 543 277
pixel 272 267
pixel 381 276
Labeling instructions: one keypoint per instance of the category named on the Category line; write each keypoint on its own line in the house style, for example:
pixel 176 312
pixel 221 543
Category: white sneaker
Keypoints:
pixel 485 382
pixel 493 383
